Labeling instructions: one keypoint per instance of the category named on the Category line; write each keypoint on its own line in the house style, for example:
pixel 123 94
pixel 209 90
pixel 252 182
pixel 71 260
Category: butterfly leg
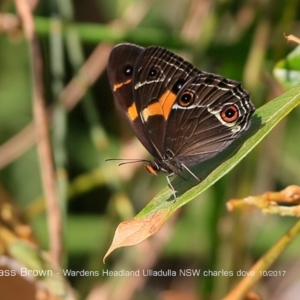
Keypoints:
pixel 194 175
pixel 171 186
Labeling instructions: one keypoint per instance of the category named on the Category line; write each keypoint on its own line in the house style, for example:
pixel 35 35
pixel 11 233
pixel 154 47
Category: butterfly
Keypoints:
pixel 180 114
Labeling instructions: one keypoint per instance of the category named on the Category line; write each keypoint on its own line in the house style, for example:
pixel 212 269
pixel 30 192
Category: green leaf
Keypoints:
pixel 287 71
pixel 95 33
pixel 155 214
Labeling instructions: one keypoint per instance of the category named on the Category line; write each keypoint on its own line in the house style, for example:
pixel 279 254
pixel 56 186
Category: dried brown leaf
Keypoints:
pixel 132 232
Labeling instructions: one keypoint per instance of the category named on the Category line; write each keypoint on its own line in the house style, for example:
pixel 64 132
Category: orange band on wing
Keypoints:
pixel 162 107
pixel 132 112
pixel 118 85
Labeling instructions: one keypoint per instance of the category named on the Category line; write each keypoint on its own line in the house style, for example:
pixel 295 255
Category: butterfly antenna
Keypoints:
pixel 128 160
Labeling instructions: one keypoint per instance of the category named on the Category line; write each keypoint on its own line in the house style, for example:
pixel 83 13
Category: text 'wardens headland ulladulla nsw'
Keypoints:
pixel 168 272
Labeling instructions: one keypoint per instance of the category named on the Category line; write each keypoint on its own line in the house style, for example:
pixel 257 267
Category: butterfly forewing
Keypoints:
pixel 121 65
pixel 158 77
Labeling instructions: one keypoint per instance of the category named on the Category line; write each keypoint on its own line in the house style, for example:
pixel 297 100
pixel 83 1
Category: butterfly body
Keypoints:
pixel 180 114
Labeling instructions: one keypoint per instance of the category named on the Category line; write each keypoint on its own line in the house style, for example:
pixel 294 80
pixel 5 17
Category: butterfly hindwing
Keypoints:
pixel 197 130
